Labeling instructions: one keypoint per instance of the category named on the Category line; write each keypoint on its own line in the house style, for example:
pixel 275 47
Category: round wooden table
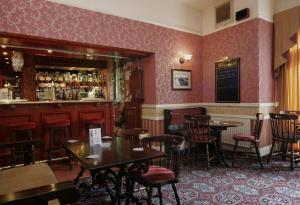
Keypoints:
pixel 218 127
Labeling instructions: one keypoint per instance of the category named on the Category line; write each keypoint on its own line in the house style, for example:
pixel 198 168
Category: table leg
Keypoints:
pixel 118 185
pixel 220 147
pixel 76 180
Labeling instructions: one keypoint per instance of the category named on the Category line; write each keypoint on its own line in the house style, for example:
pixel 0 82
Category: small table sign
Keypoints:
pixel 95 136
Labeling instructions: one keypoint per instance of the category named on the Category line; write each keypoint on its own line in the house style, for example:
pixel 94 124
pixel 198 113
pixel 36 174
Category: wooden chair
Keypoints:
pixel 134 134
pixel 168 169
pixel 284 130
pixel 253 139
pixel 33 184
pixel 198 132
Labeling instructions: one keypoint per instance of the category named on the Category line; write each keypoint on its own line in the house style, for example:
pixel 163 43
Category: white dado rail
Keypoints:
pixel 240 110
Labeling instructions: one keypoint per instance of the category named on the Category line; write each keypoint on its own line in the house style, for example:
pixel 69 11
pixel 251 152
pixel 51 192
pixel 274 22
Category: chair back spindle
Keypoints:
pixel 258 125
pixel 284 126
pixel 198 125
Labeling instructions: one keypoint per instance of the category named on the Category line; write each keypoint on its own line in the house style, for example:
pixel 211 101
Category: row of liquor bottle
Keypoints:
pixel 69 93
pixel 11 85
pixel 74 78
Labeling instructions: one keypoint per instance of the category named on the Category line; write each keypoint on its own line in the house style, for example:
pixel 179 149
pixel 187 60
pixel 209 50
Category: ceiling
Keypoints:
pixel 199 4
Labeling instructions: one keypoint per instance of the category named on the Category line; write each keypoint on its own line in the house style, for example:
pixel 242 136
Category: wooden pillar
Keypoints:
pixel 28 78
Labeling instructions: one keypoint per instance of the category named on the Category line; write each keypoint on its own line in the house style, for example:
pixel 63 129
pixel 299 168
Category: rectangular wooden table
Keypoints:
pixel 119 154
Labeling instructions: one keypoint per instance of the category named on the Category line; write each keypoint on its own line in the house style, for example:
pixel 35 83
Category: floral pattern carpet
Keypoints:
pixel 246 183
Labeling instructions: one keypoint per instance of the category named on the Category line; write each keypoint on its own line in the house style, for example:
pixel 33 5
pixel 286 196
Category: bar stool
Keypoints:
pixel 92 123
pixel 20 127
pixel 54 127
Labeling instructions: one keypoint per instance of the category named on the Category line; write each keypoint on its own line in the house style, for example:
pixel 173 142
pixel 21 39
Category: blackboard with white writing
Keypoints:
pixel 228 81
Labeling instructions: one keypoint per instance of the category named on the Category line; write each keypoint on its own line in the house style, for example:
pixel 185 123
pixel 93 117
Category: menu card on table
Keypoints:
pixel 95 136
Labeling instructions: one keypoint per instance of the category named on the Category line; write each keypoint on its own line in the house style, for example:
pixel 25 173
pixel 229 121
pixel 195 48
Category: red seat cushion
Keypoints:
pixel 244 137
pixel 156 173
pixel 57 123
pixel 98 120
pixel 22 126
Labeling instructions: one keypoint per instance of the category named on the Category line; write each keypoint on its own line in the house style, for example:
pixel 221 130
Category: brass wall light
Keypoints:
pixel 186 58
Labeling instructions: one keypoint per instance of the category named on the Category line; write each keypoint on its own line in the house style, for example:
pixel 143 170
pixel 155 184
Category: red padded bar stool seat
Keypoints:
pixel 57 123
pixel 20 126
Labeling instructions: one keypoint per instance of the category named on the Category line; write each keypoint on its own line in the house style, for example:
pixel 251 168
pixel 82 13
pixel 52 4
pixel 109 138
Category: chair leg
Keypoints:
pixel 292 157
pixel 196 145
pixel 150 192
pixel 271 151
pixel 207 156
pixel 176 194
pixel 160 196
pixel 189 149
pixel 234 151
pixel 258 154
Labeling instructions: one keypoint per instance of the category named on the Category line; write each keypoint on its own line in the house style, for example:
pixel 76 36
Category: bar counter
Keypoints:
pixel 16 102
pixel 12 111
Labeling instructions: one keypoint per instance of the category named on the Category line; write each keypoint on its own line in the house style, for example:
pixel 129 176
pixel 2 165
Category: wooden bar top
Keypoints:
pixel 22 102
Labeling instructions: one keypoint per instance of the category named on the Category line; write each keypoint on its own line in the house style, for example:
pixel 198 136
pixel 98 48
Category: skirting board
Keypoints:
pixel 263 151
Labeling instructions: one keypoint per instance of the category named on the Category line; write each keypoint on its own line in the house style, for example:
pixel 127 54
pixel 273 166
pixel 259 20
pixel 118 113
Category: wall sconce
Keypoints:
pixel 186 58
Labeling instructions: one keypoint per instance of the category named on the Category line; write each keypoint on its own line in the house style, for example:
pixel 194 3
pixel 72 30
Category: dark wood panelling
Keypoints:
pixel 41 112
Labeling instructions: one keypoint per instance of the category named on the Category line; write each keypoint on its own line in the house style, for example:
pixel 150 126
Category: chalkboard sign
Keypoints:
pixel 228 81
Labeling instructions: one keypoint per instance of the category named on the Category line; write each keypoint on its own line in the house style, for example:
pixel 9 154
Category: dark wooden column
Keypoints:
pixel 28 78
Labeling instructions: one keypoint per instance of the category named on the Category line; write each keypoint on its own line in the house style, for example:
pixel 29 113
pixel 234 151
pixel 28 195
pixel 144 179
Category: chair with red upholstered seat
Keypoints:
pixel 198 132
pixel 253 139
pixel 168 170
pixel 20 127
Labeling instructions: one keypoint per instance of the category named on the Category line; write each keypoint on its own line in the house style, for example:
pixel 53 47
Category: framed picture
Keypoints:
pixel 181 79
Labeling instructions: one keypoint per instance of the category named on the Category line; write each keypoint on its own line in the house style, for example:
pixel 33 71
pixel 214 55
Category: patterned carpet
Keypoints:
pixel 244 184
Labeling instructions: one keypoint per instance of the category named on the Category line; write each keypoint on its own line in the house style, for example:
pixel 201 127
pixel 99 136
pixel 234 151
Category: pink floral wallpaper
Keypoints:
pixel 237 41
pixel 252 42
pixel 57 21
pixel 266 81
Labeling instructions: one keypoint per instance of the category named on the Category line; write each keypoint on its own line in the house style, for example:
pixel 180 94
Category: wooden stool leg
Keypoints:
pixel 51 133
pixel 13 150
pixel 67 133
pixel 32 147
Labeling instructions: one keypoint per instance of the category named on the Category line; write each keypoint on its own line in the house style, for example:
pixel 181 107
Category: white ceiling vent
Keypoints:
pixel 223 13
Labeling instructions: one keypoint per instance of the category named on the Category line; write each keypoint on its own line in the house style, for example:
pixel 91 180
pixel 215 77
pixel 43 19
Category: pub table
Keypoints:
pixel 218 127
pixel 110 161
